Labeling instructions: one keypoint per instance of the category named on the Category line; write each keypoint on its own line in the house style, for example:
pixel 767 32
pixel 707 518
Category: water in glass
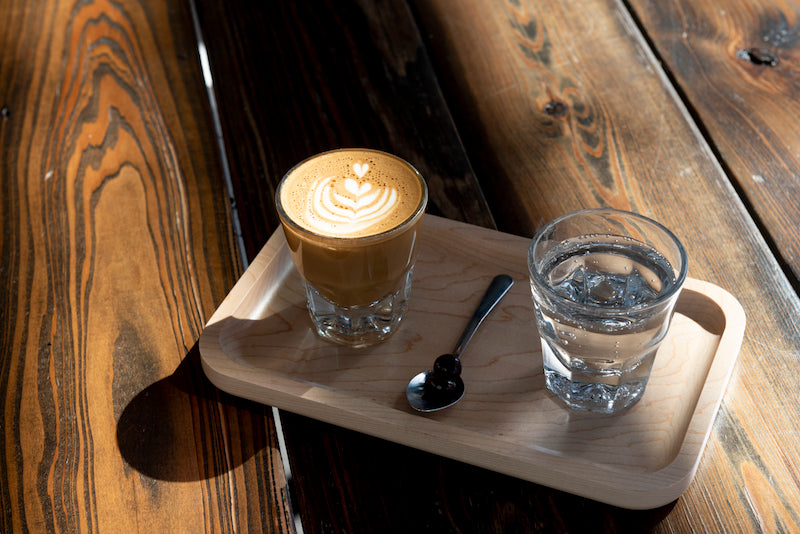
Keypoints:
pixel 599 329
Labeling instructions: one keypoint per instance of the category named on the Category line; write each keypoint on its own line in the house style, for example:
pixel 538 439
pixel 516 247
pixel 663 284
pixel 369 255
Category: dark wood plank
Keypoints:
pixel 563 108
pixel 295 79
pixel 115 249
pixel 737 65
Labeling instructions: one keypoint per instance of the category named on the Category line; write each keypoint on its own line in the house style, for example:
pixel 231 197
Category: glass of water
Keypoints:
pixel 604 283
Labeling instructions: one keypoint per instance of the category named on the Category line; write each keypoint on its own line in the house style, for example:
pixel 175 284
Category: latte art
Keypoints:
pixel 351 193
pixel 351 204
pixel 360 169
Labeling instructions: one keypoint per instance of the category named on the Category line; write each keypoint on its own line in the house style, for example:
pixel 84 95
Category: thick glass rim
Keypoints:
pixel 541 284
pixel 364 240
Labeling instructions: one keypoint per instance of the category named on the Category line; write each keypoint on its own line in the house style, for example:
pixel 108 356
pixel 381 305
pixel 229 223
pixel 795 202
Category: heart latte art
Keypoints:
pixel 348 203
pixel 351 193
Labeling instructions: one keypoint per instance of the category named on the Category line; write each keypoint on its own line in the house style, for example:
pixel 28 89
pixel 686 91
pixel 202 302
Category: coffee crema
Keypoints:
pixel 351 193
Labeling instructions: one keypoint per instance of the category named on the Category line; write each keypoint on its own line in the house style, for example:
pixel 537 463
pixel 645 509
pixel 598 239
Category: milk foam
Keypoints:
pixel 351 193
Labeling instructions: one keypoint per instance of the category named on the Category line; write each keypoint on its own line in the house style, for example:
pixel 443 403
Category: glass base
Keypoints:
pixel 602 394
pixel 358 326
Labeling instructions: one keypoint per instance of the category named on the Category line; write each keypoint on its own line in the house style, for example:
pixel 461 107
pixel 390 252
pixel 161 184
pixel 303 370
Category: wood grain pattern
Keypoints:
pixel 560 104
pixel 115 248
pixel 737 64
pixel 623 139
pixel 259 345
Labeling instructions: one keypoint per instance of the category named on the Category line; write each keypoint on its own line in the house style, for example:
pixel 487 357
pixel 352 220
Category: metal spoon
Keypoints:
pixel 442 386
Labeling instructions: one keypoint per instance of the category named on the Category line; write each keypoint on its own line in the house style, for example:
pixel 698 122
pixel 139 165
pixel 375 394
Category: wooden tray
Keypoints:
pixel 259 345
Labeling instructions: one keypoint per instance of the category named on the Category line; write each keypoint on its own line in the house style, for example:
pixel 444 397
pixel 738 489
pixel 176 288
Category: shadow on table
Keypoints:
pixel 182 428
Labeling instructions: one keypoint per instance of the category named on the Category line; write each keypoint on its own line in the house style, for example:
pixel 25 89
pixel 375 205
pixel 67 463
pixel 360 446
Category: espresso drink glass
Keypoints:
pixel 351 219
pixel 605 283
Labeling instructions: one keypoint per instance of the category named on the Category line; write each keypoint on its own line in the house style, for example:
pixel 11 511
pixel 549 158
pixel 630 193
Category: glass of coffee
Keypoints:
pixel 605 283
pixel 351 219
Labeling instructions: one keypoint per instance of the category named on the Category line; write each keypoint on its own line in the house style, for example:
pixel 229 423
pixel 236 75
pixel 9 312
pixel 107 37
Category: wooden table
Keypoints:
pixel 133 198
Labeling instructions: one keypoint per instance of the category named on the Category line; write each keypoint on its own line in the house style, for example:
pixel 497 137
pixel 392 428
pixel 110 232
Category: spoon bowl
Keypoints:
pixel 442 386
pixel 427 399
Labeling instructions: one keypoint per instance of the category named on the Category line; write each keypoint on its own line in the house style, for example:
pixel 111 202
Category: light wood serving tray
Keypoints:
pixel 259 345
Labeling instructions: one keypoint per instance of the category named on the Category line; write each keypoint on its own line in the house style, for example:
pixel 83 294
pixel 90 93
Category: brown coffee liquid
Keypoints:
pixel 354 218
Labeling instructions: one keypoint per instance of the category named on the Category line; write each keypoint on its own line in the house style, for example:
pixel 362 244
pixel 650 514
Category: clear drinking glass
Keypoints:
pixel 604 284
pixel 351 219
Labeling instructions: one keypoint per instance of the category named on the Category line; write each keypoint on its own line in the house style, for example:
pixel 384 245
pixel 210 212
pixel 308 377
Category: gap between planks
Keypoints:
pixel 208 78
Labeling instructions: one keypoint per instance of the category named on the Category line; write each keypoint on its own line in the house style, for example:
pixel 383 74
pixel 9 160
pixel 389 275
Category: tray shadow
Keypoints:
pixel 152 428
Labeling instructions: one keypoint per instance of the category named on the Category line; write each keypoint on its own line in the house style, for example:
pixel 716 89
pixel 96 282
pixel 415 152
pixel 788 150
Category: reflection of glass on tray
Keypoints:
pixel 508 421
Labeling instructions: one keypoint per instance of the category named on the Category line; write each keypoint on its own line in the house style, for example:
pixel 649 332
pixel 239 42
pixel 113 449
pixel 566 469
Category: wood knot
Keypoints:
pixel 5 112
pixel 556 108
pixel 758 56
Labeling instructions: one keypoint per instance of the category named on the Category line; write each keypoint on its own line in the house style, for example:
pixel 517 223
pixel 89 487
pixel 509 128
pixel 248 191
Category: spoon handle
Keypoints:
pixel 496 291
